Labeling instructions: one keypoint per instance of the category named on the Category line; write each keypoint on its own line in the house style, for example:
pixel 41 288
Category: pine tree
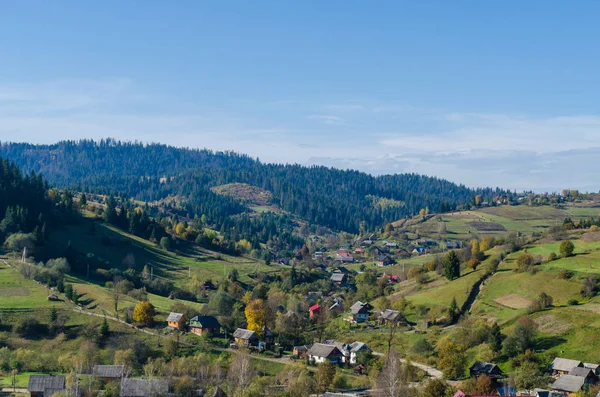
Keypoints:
pixel 452 266
pixel 453 312
pixel 53 315
pixel 104 329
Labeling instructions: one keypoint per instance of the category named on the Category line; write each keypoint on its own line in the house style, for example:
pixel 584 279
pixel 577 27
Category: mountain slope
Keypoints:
pixel 335 198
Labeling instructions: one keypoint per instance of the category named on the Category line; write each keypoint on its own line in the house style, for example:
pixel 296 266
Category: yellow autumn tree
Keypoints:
pixel 180 228
pixel 474 247
pixel 144 313
pixel 255 315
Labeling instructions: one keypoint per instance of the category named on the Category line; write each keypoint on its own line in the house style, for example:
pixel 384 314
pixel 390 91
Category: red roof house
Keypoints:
pixel 313 310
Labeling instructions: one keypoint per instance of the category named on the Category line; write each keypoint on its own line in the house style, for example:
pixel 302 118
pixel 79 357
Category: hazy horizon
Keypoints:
pixel 480 94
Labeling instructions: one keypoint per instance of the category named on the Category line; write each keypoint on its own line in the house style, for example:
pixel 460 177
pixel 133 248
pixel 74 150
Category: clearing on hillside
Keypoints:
pixel 551 325
pixel 513 301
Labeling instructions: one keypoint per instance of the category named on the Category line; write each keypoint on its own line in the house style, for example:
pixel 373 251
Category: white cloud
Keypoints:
pixel 478 149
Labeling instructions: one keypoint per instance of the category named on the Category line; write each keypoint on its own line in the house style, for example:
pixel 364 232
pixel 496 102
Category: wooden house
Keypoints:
pixel 109 373
pixel 245 337
pixel 489 369
pixel 384 260
pixel 205 325
pixel 131 387
pixel 45 385
pixel 301 351
pixel 176 321
pixel 359 312
pixel 392 317
pixel 562 366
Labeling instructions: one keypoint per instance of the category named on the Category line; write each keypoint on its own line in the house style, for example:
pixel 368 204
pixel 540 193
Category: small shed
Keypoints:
pixel 176 321
pixel 245 337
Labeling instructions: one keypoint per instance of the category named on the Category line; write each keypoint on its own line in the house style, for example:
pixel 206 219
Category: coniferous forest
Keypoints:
pixel 338 199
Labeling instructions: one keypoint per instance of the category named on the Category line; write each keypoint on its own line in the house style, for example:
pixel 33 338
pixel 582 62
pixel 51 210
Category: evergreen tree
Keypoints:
pixel 53 315
pixel 452 266
pixel 104 329
pixel 453 311
pixel 495 338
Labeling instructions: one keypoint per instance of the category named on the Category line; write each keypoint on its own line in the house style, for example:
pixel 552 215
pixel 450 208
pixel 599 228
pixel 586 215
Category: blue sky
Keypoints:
pixel 483 93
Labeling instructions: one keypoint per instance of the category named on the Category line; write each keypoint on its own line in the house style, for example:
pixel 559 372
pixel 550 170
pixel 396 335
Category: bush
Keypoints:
pixel 30 327
pixel 565 274
pixel 572 302
pixel 473 263
pixel 552 257
pixel 567 248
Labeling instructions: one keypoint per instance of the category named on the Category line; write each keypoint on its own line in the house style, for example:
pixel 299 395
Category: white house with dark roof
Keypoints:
pixel 320 353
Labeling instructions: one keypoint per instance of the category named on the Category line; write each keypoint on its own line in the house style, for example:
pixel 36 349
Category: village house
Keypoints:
pixel 359 251
pixel 384 260
pixel 337 306
pixel 320 353
pixel 562 366
pixel 109 373
pixel 131 387
pixel 267 336
pixel 45 385
pixel 569 384
pixel 205 325
pixel 389 244
pixel 301 351
pixel 359 312
pixel 52 297
pixel 339 278
pixel 418 251
pixel 347 258
pixel 402 253
pixel 342 269
pixel 314 310
pixel 318 255
pixel 489 369
pixel 351 351
pixel 461 393
pixel 593 367
pixel 176 321
pixel 586 373
pixel 392 317
pixel 547 393
pixel 245 337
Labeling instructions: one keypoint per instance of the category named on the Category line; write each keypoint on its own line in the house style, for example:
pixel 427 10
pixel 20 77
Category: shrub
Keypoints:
pixel 567 248
pixel 572 302
pixel 594 228
pixel 565 274
pixel 473 263
pixel 30 327
pixel 552 257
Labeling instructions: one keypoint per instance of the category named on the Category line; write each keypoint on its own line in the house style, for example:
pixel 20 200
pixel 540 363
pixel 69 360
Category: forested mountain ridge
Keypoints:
pixel 339 199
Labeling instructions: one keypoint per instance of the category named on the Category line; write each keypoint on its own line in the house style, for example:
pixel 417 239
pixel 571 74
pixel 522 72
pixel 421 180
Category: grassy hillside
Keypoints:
pixel 497 221
pixel 111 246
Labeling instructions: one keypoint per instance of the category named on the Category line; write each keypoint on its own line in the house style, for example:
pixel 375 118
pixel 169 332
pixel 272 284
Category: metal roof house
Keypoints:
pixel 45 385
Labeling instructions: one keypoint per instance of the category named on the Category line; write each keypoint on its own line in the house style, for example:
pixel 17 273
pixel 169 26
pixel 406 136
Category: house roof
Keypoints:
pixel 108 371
pixel 322 350
pixel 338 277
pixel 391 315
pixel 314 307
pixel 569 383
pixel 359 307
pixel 591 366
pixel 205 322
pixel 246 334
pixel 565 364
pixel 381 258
pixel 302 348
pixel 144 387
pixel 355 347
pixel 41 383
pixel 487 368
pixel 266 331
pixel 174 317
pixel 581 371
